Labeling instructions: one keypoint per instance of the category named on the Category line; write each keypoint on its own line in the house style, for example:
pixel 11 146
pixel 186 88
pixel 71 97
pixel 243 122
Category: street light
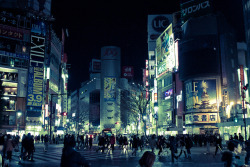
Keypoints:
pixel 19 114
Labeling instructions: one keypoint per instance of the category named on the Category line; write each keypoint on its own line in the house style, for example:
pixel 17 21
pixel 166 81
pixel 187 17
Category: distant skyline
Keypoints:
pixel 94 24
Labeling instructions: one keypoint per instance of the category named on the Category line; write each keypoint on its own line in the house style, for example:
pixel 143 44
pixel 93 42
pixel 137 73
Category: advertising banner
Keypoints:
pixel 168 94
pixel 13 32
pixel 38 27
pixel 127 72
pixel 109 89
pixel 36 76
pixel 201 94
pixel 201 118
pixel 157 24
pixel 110 53
pixel 35 87
pixel 194 8
pixel 95 65
pixel 166 59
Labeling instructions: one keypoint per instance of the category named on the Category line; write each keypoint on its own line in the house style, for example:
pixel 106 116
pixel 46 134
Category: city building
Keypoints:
pixel 110 79
pixel 207 67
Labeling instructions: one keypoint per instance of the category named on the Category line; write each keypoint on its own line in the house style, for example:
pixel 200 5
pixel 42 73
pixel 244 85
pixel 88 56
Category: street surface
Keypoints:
pixel 52 158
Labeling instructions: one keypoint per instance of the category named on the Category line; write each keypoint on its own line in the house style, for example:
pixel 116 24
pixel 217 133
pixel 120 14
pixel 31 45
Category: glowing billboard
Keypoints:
pixel 109 89
pixel 201 118
pixel 201 94
pixel 166 59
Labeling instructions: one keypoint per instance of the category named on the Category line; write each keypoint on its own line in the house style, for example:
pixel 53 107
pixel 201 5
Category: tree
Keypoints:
pixel 135 102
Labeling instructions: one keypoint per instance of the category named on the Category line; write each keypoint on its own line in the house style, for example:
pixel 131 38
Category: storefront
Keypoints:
pixel 201 123
pixel 229 128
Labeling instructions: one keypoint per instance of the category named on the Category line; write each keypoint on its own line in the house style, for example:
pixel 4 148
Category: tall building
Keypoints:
pixel 207 67
pixel 156 25
pixel 21 32
pixel 110 78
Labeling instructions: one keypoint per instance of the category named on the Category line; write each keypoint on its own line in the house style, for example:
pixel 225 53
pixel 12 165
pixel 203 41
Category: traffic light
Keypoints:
pixel 235 119
pixel 64 114
pixel 245 87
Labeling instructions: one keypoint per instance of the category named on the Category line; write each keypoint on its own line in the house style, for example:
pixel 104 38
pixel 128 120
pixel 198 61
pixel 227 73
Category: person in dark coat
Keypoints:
pixel 218 143
pixel 173 148
pixel 30 146
pixel 42 138
pixel 72 158
pixel 236 137
pixel 228 156
pixel 90 142
pixel 248 151
pixel 135 145
pixel 189 145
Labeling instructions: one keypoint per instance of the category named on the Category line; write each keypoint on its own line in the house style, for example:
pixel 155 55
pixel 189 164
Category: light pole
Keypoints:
pixel 19 114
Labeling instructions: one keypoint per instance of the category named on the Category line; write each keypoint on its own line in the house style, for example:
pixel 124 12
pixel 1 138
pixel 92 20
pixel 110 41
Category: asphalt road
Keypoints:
pixel 118 158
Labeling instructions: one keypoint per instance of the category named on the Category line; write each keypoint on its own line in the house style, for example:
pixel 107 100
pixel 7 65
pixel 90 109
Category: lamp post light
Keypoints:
pixel 19 114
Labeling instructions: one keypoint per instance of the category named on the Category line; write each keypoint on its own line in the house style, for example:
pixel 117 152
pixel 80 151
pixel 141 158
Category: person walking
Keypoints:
pixel 38 138
pixel 90 142
pixel 241 139
pixel 42 137
pixel 218 143
pixel 236 137
pixel 134 145
pixel 112 142
pixel 173 148
pixel 82 141
pixel 78 140
pixel 208 139
pixel 46 143
pixel 228 157
pixel 152 143
pixel 182 145
pixel 31 147
pixel 87 141
pixel 125 145
pixel 189 145
pixel 23 148
pixel 9 148
pixel 160 144
pixel 247 149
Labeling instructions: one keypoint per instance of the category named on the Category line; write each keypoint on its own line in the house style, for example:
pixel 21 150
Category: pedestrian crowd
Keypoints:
pixel 173 146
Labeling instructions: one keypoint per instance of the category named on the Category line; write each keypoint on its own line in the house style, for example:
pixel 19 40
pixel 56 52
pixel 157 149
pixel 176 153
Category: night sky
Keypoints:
pixel 93 24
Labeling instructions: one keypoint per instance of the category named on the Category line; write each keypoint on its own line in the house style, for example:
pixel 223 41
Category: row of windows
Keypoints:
pixel 167 81
pixel 13 62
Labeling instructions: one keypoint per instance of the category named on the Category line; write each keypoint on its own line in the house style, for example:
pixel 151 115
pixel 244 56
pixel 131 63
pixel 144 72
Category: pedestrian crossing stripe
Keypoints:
pixel 51 156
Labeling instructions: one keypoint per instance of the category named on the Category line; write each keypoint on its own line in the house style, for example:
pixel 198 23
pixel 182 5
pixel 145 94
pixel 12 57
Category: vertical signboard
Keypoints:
pixel 166 59
pixel 95 66
pixel 35 76
pixel 201 94
pixel 194 8
pixel 157 24
pixel 109 89
pixel 127 72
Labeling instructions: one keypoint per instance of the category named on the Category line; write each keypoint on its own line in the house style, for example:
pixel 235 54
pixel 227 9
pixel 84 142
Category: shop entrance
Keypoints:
pixel 208 130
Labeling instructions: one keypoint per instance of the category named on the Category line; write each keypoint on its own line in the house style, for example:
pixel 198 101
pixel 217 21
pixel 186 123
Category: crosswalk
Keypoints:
pixel 108 154
pixel 53 156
